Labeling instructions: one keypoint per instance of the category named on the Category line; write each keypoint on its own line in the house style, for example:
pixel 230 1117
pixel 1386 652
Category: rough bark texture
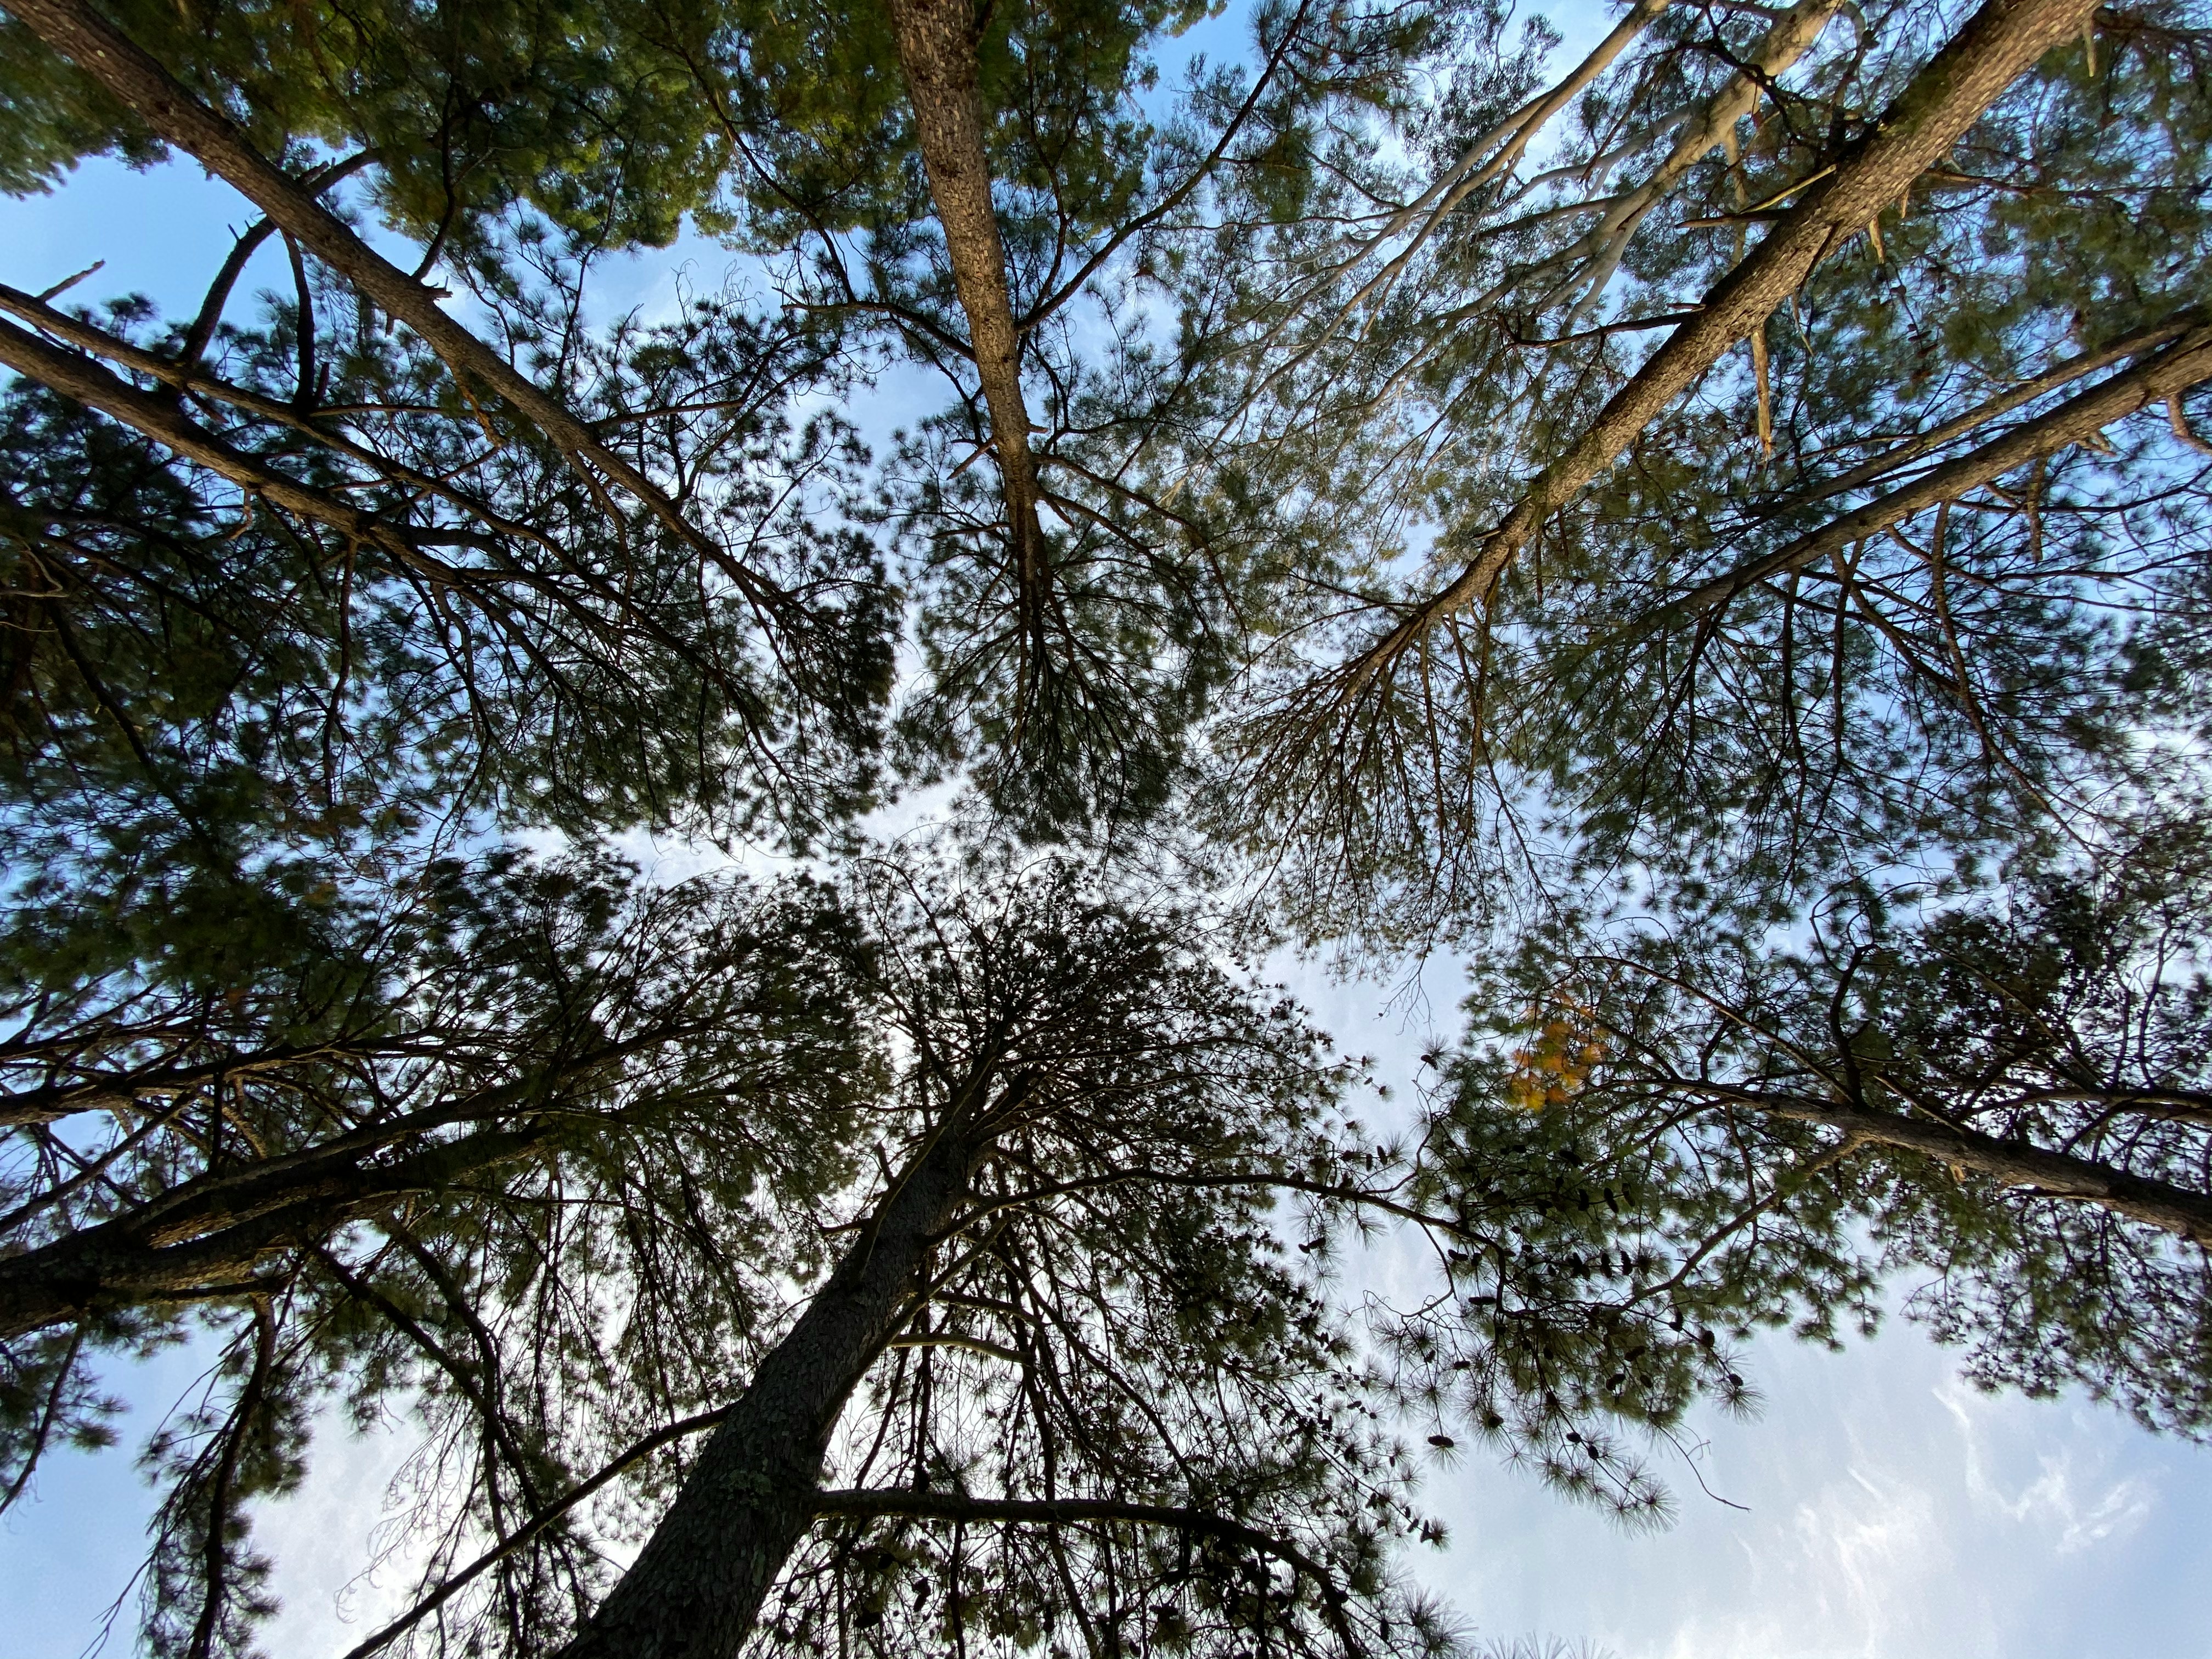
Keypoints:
pixel 168 108
pixel 1792 36
pixel 1998 43
pixel 2176 1209
pixel 697 1587
pixel 937 55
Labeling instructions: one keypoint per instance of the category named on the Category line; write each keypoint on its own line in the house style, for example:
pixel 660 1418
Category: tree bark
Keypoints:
pixel 2056 1175
pixel 215 1241
pixel 697 1588
pixel 2186 362
pixel 1794 35
pixel 937 55
pixel 84 381
pixel 1999 43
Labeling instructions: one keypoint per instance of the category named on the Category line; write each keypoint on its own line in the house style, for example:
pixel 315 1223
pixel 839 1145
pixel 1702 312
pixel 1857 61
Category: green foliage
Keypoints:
pixel 1941 691
pixel 1827 940
pixel 1078 719
pixel 690 1085
pixel 577 110
pixel 658 1076
pixel 1117 1319
pixel 1681 1140
pixel 216 708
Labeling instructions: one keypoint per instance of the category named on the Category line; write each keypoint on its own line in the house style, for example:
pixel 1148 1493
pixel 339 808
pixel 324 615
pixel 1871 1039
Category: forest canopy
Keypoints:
pixel 1705 537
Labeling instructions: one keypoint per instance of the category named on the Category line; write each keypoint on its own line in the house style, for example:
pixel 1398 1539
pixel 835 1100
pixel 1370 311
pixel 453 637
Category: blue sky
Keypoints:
pixel 1888 1509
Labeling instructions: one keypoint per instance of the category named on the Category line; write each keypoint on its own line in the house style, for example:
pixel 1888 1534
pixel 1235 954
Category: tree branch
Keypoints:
pixel 952 1506
pixel 140 82
pixel 2000 42
pixel 2050 1175
pixel 537 1523
pixel 2184 363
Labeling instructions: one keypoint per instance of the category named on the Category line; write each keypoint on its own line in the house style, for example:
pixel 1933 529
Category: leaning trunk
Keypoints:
pixel 1999 43
pixel 137 80
pixel 697 1587
pixel 2178 1210
pixel 212 1237
pixel 936 54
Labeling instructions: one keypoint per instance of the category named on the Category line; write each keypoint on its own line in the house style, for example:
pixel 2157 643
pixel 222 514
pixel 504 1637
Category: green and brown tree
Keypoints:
pixel 1888 542
pixel 999 193
pixel 1987 1105
pixel 943 1208
pixel 504 1142
pixel 1712 490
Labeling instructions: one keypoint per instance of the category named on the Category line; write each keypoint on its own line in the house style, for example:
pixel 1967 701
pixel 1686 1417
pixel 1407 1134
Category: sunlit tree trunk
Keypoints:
pixel 936 54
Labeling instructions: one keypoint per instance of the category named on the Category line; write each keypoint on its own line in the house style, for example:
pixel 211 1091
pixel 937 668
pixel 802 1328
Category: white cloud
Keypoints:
pixel 1893 1513
pixel 2073 1508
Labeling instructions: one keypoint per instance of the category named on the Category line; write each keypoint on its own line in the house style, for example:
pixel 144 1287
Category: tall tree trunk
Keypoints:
pixel 697 1587
pixel 1999 43
pixel 937 55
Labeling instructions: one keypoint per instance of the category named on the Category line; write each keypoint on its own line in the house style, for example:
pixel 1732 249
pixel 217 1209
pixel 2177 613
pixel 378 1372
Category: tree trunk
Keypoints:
pixel 2056 1175
pixel 697 1587
pixel 937 55
pixel 1998 43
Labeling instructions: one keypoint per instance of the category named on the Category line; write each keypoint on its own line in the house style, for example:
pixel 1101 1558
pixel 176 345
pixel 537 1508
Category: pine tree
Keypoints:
pixel 969 1179
pixel 1882 549
pixel 1134 1420
pixel 596 597
pixel 1719 533
pixel 1656 1143
pixel 502 1137
pixel 997 193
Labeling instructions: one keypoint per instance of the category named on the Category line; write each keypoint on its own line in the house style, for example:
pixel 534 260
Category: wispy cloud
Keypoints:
pixel 2072 1507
